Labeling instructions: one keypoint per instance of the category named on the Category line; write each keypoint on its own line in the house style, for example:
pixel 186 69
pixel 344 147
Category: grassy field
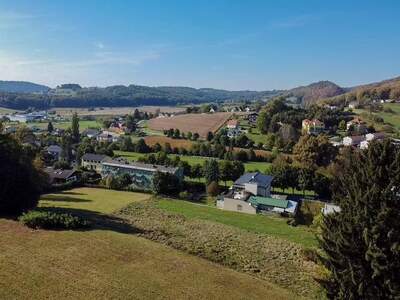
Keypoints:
pixel 95 200
pixel 270 225
pixel 83 125
pixel 4 110
pixel 192 160
pixel 106 262
pixel 388 117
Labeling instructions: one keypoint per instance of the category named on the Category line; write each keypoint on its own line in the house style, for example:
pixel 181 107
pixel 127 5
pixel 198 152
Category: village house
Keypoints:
pixel 108 137
pixel 353 140
pixel 232 124
pixel 61 176
pixel 251 194
pixel 313 126
pixel 377 136
pixel 357 125
pixel 54 151
pixel 141 174
pixel 252 117
pixel 91 133
pixel 30 117
pixel 93 162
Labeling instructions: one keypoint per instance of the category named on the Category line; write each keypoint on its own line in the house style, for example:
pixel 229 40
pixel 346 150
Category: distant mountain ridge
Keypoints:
pixel 312 93
pixel 22 87
pixel 22 95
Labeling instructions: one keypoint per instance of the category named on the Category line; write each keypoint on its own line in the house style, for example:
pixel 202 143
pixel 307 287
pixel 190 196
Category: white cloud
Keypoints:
pixel 100 68
pixel 99 45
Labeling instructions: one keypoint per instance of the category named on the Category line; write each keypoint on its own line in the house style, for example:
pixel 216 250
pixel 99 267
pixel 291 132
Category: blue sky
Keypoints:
pixel 229 44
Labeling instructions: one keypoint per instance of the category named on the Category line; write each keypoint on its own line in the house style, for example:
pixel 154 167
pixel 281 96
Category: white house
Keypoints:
pixel 353 140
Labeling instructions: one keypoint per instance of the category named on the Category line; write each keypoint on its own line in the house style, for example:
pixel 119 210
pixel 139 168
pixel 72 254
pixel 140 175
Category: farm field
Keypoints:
pixel 200 123
pixel 270 225
pixel 106 262
pixel 113 111
pixel 192 160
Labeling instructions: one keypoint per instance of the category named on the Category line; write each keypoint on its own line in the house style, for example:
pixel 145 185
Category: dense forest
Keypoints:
pixel 132 95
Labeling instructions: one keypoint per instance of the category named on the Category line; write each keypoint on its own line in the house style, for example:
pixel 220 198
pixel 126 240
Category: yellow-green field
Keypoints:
pixel 106 262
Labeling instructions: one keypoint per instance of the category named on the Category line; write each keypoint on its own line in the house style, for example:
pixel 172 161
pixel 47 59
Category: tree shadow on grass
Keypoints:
pixel 71 193
pixel 98 221
pixel 63 198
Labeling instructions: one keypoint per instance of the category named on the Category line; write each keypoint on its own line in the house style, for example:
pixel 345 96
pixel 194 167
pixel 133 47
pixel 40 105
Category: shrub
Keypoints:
pixel 52 220
pixel 213 189
pixel 184 195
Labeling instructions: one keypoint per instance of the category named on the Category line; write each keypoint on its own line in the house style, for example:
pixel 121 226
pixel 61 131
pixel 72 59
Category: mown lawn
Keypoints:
pixel 390 118
pixel 66 124
pixel 270 225
pixel 110 262
pixel 95 200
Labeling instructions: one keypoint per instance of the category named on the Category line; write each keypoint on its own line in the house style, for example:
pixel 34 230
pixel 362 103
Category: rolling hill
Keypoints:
pixel 22 87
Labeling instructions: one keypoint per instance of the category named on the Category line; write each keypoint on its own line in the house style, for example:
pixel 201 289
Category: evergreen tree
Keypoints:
pixel 75 128
pixel 362 242
pixel 50 127
pixel 211 171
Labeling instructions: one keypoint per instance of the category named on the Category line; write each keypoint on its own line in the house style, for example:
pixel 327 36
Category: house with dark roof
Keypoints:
pixel 251 194
pixel 141 174
pixel 54 150
pixel 60 176
pixel 93 162
pixel 91 133
pixel 255 183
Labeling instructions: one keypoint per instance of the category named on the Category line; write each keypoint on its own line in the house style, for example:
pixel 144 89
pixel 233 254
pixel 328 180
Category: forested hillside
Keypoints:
pixel 22 87
pixel 383 90
pixel 131 95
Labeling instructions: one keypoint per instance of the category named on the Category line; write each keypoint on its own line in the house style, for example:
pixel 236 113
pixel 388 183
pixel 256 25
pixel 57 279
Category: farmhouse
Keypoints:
pixel 60 176
pixel 93 161
pixel 313 126
pixel 141 174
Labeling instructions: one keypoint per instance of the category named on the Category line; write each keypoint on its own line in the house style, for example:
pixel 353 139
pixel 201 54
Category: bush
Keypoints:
pixel 52 220
pixel 185 195
pixel 213 189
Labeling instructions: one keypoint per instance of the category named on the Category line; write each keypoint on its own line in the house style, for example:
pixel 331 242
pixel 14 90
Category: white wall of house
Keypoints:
pixel 239 206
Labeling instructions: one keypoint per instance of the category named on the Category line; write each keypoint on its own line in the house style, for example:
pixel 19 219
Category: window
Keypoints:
pixel 239 207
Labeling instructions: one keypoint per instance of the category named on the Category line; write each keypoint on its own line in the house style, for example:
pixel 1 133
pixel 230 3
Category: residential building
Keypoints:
pixel 377 136
pixel 61 176
pixel 91 133
pixel 255 183
pixel 251 194
pixel 141 174
pixel 357 125
pixel 313 126
pixel 55 151
pixel 353 140
pixel 232 124
pixel 23 118
pixel 252 117
pixel 93 161
pixel 107 136
pixel 352 105
pixel 330 209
